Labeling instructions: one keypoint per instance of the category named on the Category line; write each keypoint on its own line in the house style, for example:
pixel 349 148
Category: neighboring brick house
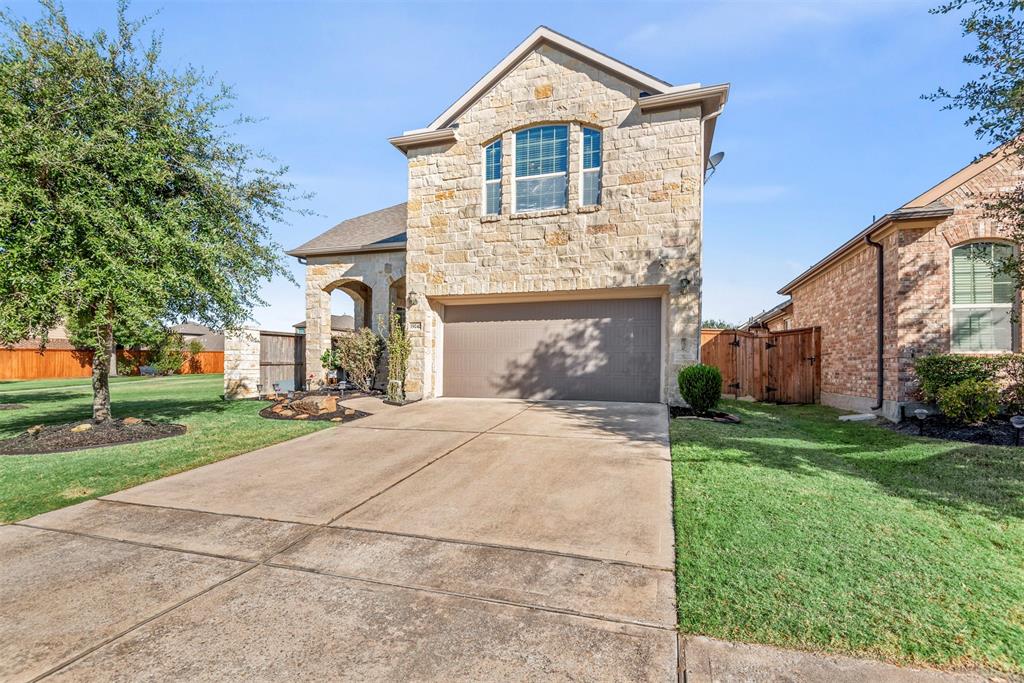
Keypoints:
pixel 939 292
pixel 551 242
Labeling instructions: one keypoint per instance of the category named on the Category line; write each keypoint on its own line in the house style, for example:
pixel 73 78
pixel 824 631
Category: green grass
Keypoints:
pixel 797 530
pixel 217 429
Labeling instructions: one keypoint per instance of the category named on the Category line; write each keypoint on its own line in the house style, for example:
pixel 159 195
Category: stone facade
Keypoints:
pixel 241 363
pixel 841 298
pixel 645 233
pixel 371 279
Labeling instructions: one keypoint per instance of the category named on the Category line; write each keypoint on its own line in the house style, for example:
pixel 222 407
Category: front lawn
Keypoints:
pixel 797 530
pixel 217 429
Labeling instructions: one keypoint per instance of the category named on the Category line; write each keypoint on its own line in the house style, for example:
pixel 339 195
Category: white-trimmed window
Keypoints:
pixel 542 156
pixel 492 178
pixel 982 299
pixel 590 188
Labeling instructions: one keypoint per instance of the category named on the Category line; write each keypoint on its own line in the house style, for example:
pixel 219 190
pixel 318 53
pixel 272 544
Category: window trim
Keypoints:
pixel 954 307
pixel 592 171
pixel 515 178
pixel 497 181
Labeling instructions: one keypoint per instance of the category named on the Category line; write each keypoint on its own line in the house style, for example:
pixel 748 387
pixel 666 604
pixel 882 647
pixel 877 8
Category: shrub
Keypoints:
pixel 399 347
pixel 329 359
pixel 127 367
pixel 941 371
pixel 969 401
pixel 701 387
pixel 169 354
pixel 357 356
pixel 1011 380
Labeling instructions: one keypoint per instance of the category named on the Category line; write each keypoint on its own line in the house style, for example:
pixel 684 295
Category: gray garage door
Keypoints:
pixel 607 350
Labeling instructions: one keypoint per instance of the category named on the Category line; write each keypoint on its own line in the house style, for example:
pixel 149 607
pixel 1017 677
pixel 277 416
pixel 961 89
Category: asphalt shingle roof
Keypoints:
pixel 377 229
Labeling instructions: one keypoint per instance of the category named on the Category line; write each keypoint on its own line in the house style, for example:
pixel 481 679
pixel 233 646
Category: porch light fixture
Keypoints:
pixel 1018 424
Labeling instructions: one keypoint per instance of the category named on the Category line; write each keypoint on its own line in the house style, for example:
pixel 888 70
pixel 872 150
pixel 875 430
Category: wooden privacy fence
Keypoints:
pixel 779 367
pixel 54 363
pixel 282 361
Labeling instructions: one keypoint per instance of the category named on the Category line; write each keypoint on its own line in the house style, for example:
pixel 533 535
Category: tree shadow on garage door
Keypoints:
pixel 595 376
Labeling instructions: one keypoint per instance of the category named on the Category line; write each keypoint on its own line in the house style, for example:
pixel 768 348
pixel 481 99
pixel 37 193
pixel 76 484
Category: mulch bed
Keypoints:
pixel 282 408
pixel 996 432
pixel 712 415
pixel 61 438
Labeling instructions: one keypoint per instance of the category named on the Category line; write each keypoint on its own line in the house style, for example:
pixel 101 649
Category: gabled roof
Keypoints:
pixel 764 316
pixel 339 323
pixel 544 35
pixel 382 230
pixel 954 181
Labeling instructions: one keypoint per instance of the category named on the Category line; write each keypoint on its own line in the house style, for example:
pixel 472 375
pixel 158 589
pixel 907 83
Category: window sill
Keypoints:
pixel 590 208
pixel 539 214
pixel 490 218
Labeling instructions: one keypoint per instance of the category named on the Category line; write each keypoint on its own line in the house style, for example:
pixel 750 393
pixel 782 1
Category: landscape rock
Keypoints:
pixel 34 429
pixel 337 419
pixel 316 405
pixel 301 416
pixel 84 427
pixel 277 408
pixel 350 411
pixel 131 421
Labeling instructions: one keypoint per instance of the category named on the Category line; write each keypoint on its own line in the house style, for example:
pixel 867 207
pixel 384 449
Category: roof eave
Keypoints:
pixel 328 251
pixel 422 138
pixel 895 216
pixel 710 98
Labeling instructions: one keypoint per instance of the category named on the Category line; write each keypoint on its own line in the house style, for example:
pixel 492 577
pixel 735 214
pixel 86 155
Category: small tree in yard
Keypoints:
pixel 701 387
pixel 124 203
pixel 399 347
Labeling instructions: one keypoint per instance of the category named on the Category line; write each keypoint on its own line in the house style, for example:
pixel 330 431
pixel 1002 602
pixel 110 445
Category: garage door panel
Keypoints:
pixel 587 350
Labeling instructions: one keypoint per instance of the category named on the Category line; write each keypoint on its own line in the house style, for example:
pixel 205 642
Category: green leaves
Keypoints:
pixel 121 190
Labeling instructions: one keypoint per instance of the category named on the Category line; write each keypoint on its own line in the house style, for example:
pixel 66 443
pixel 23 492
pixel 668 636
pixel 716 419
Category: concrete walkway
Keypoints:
pixel 447 540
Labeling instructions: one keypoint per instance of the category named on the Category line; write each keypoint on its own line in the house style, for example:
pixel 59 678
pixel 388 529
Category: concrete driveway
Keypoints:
pixel 449 539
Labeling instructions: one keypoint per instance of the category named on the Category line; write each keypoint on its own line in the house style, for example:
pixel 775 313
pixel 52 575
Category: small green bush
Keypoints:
pixel 169 354
pixel 946 370
pixel 701 387
pixel 358 354
pixel 1011 380
pixel 970 401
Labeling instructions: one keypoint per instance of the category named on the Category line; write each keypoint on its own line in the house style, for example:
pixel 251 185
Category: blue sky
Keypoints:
pixel 825 127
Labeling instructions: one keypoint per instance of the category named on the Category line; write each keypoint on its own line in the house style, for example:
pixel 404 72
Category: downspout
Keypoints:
pixel 880 321
pixel 700 235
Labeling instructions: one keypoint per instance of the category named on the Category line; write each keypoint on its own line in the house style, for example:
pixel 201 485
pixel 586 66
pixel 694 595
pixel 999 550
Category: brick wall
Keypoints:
pixel 841 298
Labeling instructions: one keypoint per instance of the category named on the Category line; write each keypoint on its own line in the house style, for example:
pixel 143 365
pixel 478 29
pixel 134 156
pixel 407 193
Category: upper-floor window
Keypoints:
pixel 982 298
pixel 492 178
pixel 590 189
pixel 542 156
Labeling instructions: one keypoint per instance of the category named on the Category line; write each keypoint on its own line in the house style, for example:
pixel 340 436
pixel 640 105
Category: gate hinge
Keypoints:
pixel 771 389
pixel 770 345
pixel 734 385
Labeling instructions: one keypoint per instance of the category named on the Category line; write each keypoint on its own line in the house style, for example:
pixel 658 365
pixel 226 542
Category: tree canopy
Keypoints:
pixel 126 204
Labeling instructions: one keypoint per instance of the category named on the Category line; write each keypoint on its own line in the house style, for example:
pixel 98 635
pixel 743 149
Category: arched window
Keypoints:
pixel 542 164
pixel 982 298
pixel 492 178
pixel 590 193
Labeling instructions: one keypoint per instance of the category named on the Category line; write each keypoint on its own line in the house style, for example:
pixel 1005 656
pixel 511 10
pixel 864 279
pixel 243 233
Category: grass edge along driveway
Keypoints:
pixel 797 530
pixel 217 429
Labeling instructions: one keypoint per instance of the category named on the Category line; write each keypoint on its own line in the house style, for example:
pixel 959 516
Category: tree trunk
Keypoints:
pixel 101 375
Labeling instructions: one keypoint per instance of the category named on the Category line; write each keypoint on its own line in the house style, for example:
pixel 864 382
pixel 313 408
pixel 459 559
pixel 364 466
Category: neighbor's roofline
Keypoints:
pixel 979 165
pixel 327 251
pixel 541 35
pixel 898 215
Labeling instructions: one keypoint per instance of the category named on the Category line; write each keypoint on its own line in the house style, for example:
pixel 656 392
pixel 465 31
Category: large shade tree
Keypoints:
pixel 994 101
pixel 126 203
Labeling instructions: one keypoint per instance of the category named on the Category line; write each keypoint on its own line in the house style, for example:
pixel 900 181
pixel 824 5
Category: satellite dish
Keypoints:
pixel 713 161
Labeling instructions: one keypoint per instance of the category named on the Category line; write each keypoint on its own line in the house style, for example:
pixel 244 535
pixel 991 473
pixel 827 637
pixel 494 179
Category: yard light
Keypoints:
pixel 921 414
pixel 1018 424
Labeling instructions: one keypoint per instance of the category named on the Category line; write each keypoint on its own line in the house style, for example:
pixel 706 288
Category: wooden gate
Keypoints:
pixel 779 367
pixel 282 361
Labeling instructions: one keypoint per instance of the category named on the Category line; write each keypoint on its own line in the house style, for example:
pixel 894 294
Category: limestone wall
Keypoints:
pixel 647 230
pixel 241 363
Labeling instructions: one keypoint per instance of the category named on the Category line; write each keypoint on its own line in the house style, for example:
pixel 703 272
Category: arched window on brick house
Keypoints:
pixel 982 299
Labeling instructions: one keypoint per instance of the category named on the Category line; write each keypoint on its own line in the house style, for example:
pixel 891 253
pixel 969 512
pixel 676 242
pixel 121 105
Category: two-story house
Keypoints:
pixel 550 246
